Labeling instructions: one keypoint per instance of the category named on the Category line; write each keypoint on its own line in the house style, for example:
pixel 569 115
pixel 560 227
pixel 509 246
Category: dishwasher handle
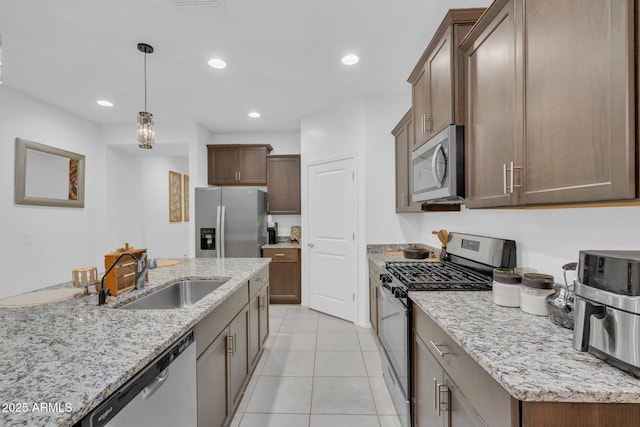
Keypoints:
pixel 148 391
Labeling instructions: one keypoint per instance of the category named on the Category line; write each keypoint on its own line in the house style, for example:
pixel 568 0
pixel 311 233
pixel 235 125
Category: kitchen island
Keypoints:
pixel 60 360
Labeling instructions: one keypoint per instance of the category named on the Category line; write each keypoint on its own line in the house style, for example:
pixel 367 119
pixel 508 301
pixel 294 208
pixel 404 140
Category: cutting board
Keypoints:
pixel 166 262
pixel 45 296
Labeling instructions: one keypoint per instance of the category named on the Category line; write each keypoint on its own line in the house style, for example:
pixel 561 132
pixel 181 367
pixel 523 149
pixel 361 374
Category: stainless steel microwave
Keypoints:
pixel 438 168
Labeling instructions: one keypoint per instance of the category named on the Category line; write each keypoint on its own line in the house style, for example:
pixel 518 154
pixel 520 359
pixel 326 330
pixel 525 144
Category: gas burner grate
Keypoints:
pixel 423 276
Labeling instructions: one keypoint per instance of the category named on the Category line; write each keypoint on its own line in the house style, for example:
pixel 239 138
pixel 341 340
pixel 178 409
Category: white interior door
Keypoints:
pixel 331 253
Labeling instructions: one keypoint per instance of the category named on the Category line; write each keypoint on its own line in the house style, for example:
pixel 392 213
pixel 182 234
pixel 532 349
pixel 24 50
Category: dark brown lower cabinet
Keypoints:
pixel 284 275
pixel 452 390
pixel 222 370
pixel 229 342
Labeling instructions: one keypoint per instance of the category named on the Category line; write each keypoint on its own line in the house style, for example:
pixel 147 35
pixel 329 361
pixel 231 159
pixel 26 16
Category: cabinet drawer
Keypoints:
pixel 281 254
pixel 488 398
pixel 259 281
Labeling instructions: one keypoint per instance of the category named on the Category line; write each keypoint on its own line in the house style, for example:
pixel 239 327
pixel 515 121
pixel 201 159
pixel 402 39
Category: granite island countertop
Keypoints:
pixel 528 355
pixel 73 354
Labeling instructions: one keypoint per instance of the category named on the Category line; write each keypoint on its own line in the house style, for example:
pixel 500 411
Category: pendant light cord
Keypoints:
pixel 145 82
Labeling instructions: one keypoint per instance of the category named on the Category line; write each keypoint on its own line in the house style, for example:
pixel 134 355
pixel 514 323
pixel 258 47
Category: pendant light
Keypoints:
pixel 146 132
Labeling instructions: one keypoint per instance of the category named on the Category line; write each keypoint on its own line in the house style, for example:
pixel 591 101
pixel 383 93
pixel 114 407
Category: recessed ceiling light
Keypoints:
pixel 217 63
pixel 105 103
pixel 254 114
pixel 350 59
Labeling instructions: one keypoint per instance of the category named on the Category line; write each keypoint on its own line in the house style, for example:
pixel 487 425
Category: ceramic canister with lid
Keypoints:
pixel 506 289
pixel 534 291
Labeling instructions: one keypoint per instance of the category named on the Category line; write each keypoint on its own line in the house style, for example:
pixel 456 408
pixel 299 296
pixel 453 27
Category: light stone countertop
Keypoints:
pixel 73 354
pixel 282 245
pixel 528 355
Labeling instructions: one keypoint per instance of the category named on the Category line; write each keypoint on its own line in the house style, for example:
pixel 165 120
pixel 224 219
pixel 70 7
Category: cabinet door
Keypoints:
pixel 252 166
pixel 440 91
pixel 222 166
pixel 419 105
pixel 238 366
pixel 283 185
pixel 263 304
pixel 284 275
pixel 492 127
pixel 403 197
pixel 461 413
pixel 428 376
pixel 403 133
pixel 254 331
pixel 579 86
pixel 373 303
pixel 212 383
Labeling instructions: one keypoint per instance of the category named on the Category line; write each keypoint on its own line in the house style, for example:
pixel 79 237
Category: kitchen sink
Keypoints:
pixel 177 295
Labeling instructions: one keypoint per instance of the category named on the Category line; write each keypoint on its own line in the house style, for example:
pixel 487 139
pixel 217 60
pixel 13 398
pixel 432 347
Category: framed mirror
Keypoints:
pixel 48 176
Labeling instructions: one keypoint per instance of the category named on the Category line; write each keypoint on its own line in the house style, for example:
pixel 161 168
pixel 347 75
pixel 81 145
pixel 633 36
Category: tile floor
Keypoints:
pixel 316 371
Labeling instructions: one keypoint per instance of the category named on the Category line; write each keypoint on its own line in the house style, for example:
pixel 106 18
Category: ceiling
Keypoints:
pixel 283 56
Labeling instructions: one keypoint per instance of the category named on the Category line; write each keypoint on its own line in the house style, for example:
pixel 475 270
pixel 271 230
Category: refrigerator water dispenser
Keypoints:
pixel 208 239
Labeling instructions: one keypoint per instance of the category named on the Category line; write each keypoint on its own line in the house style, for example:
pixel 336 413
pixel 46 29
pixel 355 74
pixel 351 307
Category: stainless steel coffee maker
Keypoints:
pixel 607 307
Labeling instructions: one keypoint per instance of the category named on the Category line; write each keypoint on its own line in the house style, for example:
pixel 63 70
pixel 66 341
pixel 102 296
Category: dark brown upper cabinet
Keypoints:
pixel 438 78
pixel 238 164
pixel 403 134
pixel 283 184
pixel 551 103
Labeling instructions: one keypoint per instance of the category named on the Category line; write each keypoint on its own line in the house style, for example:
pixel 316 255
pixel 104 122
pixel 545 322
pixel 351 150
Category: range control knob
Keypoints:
pixel 399 292
pixel 385 278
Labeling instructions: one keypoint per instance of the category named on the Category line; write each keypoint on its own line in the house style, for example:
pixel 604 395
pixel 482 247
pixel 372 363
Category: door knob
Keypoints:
pixel 311 245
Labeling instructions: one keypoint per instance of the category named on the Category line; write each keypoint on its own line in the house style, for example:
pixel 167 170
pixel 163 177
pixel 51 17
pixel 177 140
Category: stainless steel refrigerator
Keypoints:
pixel 231 222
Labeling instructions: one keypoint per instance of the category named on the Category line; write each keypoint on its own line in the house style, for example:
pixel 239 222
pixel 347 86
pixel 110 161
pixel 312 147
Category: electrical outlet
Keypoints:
pixel 28 238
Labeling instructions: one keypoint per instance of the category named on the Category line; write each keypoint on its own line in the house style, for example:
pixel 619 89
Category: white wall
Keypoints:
pixel 545 238
pixel 282 143
pixel 137 189
pixel 382 114
pixel 362 129
pixel 63 238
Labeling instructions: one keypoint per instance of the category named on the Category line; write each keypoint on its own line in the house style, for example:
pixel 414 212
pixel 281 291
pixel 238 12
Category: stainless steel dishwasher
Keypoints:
pixel 161 394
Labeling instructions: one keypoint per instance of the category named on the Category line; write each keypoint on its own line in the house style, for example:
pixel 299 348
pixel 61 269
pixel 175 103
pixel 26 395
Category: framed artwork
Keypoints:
pixel 185 193
pixel 175 197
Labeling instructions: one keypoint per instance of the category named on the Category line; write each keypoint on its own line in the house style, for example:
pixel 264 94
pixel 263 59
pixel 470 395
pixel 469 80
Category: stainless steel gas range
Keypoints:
pixel 469 268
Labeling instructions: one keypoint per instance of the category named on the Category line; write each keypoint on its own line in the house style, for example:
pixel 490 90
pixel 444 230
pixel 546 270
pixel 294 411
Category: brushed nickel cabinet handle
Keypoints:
pixel 435 393
pixel 504 178
pixel 443 399
pixel 511 175
pixel 230 344
pixel 437 347
pixel 235 338
pixel 279 254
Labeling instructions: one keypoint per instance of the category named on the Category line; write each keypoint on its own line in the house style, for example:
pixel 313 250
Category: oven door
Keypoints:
pixel 393 330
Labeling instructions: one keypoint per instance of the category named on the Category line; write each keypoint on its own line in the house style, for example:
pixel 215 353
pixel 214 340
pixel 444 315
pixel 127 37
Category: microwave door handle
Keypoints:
pixel 434 161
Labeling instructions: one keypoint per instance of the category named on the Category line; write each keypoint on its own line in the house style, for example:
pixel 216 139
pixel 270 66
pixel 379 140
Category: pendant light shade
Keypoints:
pixel 146 132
